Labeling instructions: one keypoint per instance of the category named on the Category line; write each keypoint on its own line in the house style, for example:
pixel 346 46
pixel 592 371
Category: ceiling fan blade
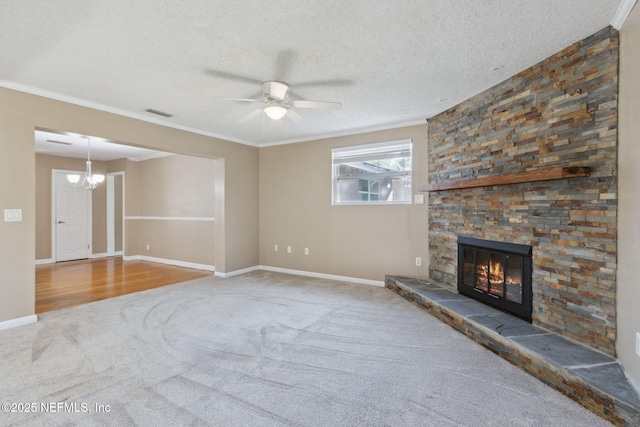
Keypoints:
pixel 256 95
pixel 250 116
pixel 296 117
pixel 241 99
pixel 231 76
pixel 319 105
pixel 323 83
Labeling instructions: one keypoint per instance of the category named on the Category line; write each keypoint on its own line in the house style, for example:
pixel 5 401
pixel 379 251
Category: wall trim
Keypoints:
pixel 323 276
pixel 150 157
pixel 171 218
pixel 20 321
pixel 351 132
pixel 237 272
pixel 301 273
pixel 170 262
pixel 622 13
pixel 101 255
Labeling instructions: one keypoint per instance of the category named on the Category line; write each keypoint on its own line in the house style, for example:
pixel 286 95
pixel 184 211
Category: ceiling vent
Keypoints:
pixel 53 141
pixel 158 112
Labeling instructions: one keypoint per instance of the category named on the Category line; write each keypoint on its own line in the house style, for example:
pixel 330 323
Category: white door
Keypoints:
pixel 71 220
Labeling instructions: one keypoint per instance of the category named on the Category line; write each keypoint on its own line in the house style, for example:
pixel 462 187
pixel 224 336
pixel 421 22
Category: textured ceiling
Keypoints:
pixel 389 63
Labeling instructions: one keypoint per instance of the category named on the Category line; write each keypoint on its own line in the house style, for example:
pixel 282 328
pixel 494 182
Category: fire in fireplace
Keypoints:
pixel 496 273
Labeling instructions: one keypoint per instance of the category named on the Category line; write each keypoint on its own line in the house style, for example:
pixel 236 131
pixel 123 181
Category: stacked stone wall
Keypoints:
pixel 560 112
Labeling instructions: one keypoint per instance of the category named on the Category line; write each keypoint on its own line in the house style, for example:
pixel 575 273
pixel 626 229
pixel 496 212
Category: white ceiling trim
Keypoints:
pixel 150 157
pixel 81 102
pixel 622 13
pixel 88 104
pixel 347 133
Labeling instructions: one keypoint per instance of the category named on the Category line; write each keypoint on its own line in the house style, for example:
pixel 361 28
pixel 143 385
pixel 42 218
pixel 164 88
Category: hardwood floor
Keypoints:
pixel 70 283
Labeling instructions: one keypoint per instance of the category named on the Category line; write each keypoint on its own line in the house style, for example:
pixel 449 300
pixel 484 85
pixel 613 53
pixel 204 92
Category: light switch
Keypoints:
pixel 12 215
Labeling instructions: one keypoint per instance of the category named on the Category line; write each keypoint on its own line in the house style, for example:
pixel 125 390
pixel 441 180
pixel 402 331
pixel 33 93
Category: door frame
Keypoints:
pixel 54 247
pixel 110 217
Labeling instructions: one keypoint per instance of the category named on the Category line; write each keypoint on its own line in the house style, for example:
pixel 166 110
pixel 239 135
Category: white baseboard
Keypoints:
pixel 237 272
pixel 303 273
pixel 20 321
pixel 92 256
pixel 172 218
pixel 170 262
pixel 103 255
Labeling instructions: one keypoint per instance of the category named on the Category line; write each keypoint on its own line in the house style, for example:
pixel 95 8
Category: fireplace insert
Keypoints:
pixel 496 273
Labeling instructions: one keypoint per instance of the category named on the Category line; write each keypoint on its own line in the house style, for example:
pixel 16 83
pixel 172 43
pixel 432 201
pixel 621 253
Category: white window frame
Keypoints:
pixel 341 155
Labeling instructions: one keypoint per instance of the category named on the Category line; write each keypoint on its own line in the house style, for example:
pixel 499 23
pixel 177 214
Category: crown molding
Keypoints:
pixel 622 13
pixel 347 133
pixel 83 103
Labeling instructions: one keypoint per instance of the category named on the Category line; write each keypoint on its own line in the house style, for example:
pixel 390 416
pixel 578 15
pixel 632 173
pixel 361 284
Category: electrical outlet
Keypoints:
pixel 418 262
pixel 275 248
pixel 288 249
pixel 638 343
pixel 147 246
pixel 418 199
pixel 306 251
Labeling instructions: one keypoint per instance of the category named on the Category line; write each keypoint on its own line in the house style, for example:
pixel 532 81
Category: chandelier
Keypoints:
pixel 89 180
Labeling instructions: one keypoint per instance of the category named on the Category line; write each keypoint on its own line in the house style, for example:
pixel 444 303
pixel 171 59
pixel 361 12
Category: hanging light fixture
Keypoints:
pixel 89 180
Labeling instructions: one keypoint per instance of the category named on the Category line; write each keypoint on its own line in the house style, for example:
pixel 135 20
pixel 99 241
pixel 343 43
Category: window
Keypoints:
pixel 372 173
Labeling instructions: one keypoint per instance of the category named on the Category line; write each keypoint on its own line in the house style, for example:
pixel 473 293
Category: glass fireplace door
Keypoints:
pixel 496 273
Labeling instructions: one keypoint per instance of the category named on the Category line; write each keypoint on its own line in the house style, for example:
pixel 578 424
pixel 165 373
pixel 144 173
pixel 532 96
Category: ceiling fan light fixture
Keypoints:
pixel 275 111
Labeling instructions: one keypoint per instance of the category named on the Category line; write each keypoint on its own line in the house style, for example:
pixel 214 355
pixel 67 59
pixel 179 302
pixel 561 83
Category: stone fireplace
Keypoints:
pixel 559 115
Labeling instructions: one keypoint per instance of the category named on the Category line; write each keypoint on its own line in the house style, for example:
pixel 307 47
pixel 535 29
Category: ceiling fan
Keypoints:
pixel 278 103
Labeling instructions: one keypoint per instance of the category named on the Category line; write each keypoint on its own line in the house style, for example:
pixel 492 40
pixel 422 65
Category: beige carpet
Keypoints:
pixel 264 349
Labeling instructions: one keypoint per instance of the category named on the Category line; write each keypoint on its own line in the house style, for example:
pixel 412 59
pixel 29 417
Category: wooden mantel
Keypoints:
pixel 544 174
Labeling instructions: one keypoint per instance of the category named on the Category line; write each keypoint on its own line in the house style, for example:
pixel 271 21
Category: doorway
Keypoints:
pixel 115 213
pixel 175 221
